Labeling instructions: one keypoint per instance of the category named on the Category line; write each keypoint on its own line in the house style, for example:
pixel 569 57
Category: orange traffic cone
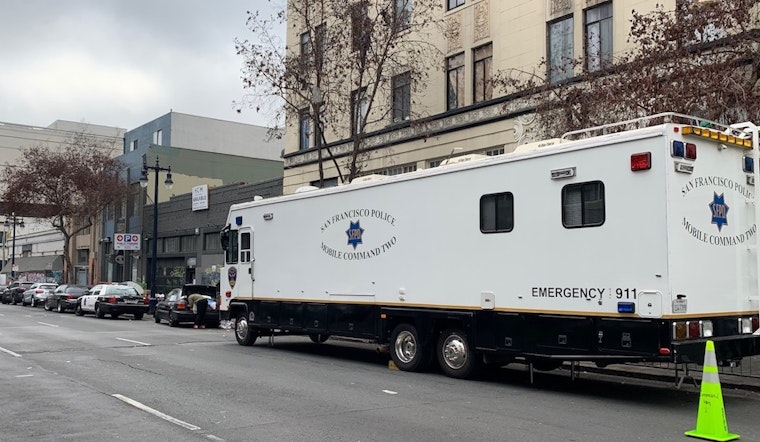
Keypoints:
pixel 711 416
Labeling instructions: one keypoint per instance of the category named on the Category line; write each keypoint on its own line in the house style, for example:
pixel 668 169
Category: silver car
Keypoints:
pixel 37 294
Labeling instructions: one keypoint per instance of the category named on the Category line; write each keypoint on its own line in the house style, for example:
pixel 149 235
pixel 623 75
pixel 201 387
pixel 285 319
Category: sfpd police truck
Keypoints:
pixel 605 246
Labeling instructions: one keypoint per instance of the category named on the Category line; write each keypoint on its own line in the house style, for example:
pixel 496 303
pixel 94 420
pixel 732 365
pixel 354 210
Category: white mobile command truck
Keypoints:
pixel 637 245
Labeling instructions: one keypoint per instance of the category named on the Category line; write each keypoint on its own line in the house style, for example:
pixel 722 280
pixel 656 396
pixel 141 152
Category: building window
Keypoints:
pixel 398 170
pixel 583 204
pixel 158 137
pixel 245 247
pixel 133 145
pixel 455 81
pixel 327 182
pixel 82 257
pixel 599 37
pixel 359 107
pixel 454 4
pixel 560 47
pixel 171 244
pixel 402 97
pixel 403 14
pixel 305 51
pixel 434 163
pixel 320 43
pixel 188 243
pixel 212 241
pixel 482 70
pixel 304 130
pixel 360 26
pixel 495 152
pixel 497 212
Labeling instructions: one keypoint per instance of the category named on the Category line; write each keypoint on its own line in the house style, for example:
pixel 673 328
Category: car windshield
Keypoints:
pixel 119 290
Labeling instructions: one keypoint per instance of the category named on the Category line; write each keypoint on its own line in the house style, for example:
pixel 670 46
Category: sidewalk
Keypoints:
pixel 745 377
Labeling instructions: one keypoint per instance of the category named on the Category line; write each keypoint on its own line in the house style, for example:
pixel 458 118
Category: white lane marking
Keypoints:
pixel 10 352
pixel 389 392
pixel 156 413
pixel 25 376
pixel 212 437
pixel 134 342
pixel 45 323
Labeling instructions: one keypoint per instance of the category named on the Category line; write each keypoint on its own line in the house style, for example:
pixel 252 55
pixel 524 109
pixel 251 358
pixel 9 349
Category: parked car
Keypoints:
pixel 37 293
pixel 114 300
pixel 173 308
pixel 15 292
pixel 64 297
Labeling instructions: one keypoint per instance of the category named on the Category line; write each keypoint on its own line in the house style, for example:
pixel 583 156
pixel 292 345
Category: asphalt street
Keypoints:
pixel 64 377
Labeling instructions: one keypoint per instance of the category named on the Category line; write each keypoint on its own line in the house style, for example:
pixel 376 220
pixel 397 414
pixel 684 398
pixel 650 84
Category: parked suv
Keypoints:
pixel 15 292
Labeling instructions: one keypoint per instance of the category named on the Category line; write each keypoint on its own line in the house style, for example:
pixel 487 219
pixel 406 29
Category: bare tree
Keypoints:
pixel 700 59
pixel 73 183
pixel 351 58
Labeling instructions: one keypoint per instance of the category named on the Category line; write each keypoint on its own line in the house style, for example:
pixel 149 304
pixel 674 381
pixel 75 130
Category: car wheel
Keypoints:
pixel 138 316
pixel 32 303
pixel 156 319
pixel 61 308
pixel 173 322
pixel 244 334
pixel 407 351
pixel 456 358
pixel 78 310
pixel 46 306
pixel 318 338
pixel 98 312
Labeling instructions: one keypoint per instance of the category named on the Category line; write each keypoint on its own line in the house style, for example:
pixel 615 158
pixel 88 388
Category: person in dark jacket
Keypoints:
pixel 201 305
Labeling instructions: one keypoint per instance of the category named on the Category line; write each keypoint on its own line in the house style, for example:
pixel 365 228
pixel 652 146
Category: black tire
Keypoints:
pixel 244 334
pixel 318 338
pixel 156 319
pixel 455 356
pixel 407 350
pixel 173 321
pixel 99 313
pixel 115 315
pixel 78 310
pixel 138 316
pixel 61 307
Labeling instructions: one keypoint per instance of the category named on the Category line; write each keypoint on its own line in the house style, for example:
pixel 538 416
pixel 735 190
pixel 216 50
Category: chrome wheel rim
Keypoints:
pixel 405 347
pixel 454 352
pixel 241 328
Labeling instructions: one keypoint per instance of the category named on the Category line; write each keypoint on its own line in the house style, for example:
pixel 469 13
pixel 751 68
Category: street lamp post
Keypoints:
pixel 13 220
pixel 154 241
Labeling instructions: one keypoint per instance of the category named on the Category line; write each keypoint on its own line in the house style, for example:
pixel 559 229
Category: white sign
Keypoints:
pixel 200 197
pixel 126 241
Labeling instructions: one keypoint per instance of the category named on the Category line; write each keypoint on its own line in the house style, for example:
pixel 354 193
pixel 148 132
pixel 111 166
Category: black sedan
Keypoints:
pixel 173 308
pixel 14 294
pixel 112 300
pixel 64 297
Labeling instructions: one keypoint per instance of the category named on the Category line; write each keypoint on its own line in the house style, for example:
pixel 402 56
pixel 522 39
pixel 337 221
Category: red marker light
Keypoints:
pixel 641 161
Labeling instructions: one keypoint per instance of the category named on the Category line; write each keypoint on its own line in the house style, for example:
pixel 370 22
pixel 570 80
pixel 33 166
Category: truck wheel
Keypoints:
pixel 244 334
pixel 318 338
pixel 456 358
pixel 407 351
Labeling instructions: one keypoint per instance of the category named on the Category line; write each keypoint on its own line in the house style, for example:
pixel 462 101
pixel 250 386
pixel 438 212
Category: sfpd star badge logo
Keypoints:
pixel 354 233
pixel 719 211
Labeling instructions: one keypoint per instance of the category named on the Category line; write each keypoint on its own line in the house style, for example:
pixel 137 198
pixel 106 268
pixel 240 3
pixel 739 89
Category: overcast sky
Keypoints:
pixel 122 62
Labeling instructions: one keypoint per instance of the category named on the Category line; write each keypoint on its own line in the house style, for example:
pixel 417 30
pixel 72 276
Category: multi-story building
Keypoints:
pixel 38 251
pixel 459 110
pixel 204 154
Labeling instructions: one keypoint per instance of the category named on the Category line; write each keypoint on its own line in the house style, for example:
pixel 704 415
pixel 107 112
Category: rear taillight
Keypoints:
pixel 69 297
pixel 112 300
pixel 39 291
pixel 181 305
pixel 146 300
pixel 692 330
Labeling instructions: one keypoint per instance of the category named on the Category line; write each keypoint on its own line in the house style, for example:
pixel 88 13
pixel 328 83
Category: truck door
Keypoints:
pixel 246 253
